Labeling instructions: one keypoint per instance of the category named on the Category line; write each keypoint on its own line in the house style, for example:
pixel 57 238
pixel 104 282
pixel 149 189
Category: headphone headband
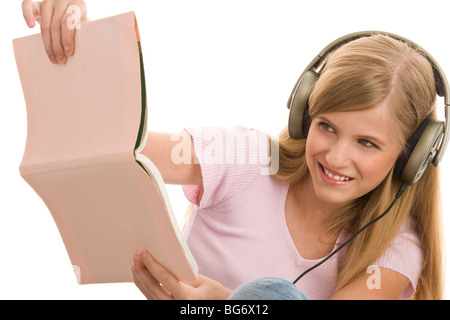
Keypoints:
pixel 442 85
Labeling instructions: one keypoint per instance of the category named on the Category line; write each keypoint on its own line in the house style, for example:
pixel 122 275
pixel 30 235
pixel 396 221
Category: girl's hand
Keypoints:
pixel 157 283
pixel 59 20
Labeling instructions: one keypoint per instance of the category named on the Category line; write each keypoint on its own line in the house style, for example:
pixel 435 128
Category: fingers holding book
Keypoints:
pixel 157 283
pixel 59 20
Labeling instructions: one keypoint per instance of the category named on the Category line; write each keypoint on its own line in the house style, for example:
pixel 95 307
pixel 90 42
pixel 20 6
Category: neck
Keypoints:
pixel 311 208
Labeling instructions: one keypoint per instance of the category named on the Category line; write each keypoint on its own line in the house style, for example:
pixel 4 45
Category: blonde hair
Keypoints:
pixel 359 75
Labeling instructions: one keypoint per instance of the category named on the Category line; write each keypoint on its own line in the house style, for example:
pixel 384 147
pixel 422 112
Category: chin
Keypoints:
pixel 333 197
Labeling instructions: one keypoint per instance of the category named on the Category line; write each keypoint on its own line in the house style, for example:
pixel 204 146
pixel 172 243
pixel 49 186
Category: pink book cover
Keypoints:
pixel 86 123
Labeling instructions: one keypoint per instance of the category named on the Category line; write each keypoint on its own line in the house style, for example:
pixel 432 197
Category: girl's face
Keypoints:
pixel 350 153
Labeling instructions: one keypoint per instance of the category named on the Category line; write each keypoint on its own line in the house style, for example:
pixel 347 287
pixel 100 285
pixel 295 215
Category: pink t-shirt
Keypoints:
pixel 238 231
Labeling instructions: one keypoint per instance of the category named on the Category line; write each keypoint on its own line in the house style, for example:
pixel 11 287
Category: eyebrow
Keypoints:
pixel 373 139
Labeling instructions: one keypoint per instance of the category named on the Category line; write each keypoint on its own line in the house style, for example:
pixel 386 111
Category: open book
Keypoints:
pixel 86 125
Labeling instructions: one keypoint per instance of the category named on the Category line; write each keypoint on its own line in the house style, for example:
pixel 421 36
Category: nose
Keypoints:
pixel 339 155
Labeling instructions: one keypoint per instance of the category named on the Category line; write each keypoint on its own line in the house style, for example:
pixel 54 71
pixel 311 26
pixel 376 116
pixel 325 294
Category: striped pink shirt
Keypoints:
pixel 238 231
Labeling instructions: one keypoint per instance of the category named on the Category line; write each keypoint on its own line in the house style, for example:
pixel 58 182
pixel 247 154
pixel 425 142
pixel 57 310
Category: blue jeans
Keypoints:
pixel 267 289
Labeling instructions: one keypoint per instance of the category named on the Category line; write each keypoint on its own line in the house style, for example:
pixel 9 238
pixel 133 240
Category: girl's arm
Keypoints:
pixel 173 155
pixel 382 284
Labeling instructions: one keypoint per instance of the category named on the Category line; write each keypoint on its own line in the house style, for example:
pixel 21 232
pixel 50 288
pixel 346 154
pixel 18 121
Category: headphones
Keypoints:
pixel 428 143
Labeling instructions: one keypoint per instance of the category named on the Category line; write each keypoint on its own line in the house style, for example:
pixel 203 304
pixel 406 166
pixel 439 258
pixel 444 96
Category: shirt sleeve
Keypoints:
pixel 404 256
pixel 230 159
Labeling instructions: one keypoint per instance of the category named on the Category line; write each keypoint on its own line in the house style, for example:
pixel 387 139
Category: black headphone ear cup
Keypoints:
pixel 424 151
pixel 299 104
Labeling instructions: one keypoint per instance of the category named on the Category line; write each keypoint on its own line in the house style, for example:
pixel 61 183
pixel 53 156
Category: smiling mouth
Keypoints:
pixel 334 176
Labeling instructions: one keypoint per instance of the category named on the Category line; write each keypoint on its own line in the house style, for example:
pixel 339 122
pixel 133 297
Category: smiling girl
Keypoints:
pixel 372 95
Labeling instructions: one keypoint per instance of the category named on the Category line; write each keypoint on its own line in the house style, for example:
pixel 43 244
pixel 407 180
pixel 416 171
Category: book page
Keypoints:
pixel 83 121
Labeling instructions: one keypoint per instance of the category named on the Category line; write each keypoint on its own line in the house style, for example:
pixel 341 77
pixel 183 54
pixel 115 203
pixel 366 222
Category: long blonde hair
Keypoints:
pixel 360 75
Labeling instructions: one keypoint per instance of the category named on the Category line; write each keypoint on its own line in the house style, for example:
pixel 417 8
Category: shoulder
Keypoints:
pixel 406 246
pixel 230 159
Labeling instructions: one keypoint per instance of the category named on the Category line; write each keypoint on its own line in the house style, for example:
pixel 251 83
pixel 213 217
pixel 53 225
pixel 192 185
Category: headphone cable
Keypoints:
pixel 397 196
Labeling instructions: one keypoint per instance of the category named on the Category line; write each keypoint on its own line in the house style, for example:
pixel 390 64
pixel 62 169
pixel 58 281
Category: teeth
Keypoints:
pixel 335 177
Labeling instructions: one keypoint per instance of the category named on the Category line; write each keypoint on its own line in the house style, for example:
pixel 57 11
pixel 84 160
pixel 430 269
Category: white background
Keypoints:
pixel 207 63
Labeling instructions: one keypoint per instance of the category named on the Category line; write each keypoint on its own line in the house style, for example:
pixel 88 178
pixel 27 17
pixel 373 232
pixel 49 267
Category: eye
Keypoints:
pixel 326 127
pixel 367 143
